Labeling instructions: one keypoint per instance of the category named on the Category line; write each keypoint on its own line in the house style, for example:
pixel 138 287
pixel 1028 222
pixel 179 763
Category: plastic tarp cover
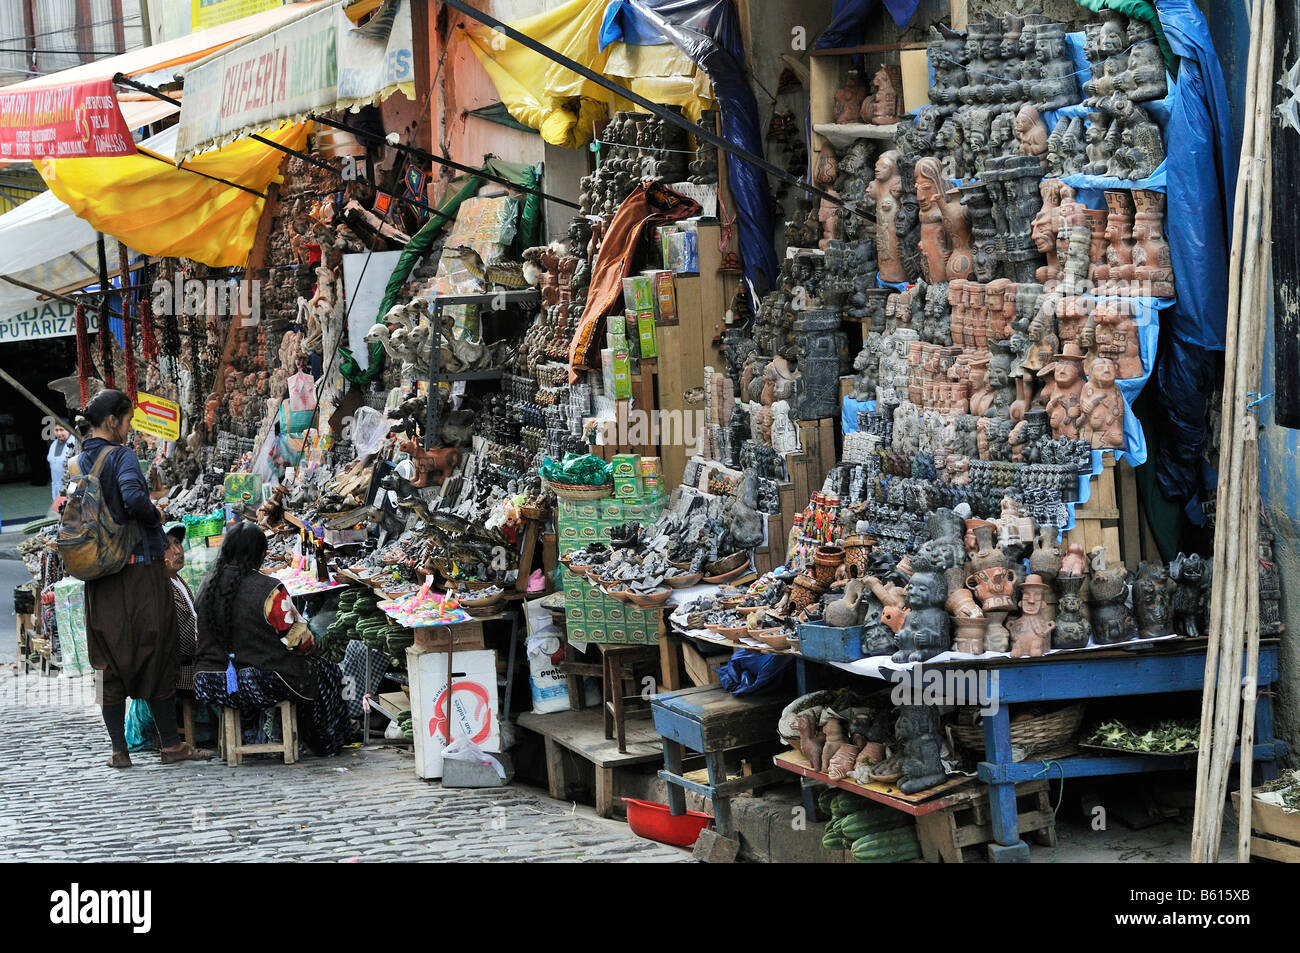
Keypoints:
pixel 751 673
pixel 553 99
pixel 1200 187
pixel 159 209
pixel 719 54
pixel 849 20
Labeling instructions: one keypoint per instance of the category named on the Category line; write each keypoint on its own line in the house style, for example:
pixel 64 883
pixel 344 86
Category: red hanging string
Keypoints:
pixel 128 350
pixel 106 348
pixel 148 340
pixel 83 355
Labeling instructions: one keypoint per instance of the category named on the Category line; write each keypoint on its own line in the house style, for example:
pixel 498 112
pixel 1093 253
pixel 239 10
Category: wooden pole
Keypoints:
pixel 12 382
pixel 1234 599
pixel 1249 688
pixel 1226 498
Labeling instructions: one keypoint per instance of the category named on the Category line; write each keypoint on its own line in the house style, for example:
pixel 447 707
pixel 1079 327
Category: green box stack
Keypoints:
pixel 592 616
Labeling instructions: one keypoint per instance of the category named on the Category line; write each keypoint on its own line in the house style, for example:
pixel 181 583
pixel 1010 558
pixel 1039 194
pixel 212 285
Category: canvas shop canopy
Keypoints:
pixel 314 63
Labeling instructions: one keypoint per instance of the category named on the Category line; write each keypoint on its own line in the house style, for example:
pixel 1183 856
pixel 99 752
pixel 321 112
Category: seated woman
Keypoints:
pixel 249 639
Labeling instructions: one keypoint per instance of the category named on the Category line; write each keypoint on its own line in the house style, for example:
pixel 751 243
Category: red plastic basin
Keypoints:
pixel 656 822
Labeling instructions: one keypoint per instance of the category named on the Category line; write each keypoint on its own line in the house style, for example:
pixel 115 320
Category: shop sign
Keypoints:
pixel 157 416
pixel 76 121
pixel 44 319
pixel 317 64
pixel 210 13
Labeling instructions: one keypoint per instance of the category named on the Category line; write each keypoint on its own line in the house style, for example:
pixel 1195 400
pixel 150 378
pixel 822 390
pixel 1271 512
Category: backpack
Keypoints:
pixel 91 541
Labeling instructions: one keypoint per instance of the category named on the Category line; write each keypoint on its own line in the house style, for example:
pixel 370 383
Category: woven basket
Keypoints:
pixel 1040 733
pixel 580 493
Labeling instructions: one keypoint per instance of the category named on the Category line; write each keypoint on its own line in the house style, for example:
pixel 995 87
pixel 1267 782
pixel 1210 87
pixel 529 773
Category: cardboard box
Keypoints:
pixel 915 66
pixel 638 293
pixel 650 466
pixel 462 636
pixel 627 465
pixel 665 298
pixel 628 488
pixel 474 710
pixel 622 369
pixel 649 339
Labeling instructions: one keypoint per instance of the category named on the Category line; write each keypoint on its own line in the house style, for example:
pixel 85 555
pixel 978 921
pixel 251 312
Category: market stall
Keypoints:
pixel 872 523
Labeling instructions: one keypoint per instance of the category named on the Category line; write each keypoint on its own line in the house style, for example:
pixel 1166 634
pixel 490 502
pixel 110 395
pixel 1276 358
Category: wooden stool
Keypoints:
pixel 231 736
pixel 946 833
pixel 186 727
pixel 712 721
pixel 618 665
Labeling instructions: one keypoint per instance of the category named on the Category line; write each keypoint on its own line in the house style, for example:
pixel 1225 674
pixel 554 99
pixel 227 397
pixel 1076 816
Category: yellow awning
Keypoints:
pixel 159 209
pixel 553 99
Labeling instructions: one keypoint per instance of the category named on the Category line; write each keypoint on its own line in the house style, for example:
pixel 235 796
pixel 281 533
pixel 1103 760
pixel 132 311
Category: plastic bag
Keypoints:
pixel 369 428
pixel 139 725
pixel 302 392
pixel 462 749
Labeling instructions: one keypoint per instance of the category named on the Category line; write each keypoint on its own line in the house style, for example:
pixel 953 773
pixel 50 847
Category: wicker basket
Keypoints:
pixel 581 493
pixel 1041 733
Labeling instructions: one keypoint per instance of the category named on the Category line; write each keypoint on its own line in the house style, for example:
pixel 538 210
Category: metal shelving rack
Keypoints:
pixel 507 298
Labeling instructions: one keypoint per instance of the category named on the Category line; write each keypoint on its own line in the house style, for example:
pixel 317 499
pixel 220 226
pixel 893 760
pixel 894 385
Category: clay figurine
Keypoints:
pixel 1102 408
pixel 1031 633
pixel 885 191
pixel 849 611
pixel 1031 132
pixel 945 228
pixel 1112 621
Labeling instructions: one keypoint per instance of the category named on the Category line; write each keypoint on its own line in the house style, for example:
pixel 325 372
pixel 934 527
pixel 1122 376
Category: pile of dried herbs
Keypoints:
pixel 1166 737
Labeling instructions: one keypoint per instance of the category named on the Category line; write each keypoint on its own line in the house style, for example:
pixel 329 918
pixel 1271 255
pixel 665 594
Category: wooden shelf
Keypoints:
pixel 953 791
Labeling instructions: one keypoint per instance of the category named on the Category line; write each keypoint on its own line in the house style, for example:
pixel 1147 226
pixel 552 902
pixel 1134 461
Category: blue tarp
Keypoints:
pixel 749 673
pixel 708 32
pixel 849 20
pixel 1200 187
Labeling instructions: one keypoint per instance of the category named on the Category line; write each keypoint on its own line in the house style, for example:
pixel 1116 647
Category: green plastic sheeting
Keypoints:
pixel 464 187
pixel 1143 10
pixel 498 114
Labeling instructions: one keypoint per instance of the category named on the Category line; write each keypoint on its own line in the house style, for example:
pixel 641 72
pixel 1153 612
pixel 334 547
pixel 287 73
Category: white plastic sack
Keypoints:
pixel 550 688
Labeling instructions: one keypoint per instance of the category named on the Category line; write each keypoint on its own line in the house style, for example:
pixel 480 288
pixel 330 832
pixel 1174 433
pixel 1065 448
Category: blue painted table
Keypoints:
pixel 1154 669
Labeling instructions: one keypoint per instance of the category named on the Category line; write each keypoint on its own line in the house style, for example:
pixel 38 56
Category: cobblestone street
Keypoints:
pixel 59 801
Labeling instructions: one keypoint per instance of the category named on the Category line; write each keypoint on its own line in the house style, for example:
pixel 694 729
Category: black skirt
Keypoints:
pixel 131 633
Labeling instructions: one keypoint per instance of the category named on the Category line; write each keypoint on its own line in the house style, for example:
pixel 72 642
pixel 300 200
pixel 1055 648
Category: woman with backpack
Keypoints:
pixel 130 627
pixel 252 646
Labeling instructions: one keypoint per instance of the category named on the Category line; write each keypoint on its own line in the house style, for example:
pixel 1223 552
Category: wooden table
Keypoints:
pixel 1149 669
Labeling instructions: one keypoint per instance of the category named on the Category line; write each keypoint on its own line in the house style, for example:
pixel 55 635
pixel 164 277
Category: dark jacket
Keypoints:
pixel 252 638
pixel 126 493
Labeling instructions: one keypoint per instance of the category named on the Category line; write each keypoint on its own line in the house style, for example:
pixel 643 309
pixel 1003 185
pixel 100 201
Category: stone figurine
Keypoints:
pixel 919 730
pixel 1190 603
pixel 1102 408
pixel 926 632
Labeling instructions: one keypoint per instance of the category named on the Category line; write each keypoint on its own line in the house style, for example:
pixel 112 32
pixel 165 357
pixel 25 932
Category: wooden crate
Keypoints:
pixel 1097 522
pixel 947 834
pixel 1275 834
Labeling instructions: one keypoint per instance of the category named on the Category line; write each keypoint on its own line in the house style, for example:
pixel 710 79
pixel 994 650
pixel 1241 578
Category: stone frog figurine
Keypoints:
pixel 927 631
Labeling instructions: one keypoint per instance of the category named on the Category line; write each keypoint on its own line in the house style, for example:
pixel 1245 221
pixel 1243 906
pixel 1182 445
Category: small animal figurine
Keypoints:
pixel 850 610
pixel 810 742
pixel 1191 598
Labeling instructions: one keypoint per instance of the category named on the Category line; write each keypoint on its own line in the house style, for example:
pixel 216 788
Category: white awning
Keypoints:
pixel 317 63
